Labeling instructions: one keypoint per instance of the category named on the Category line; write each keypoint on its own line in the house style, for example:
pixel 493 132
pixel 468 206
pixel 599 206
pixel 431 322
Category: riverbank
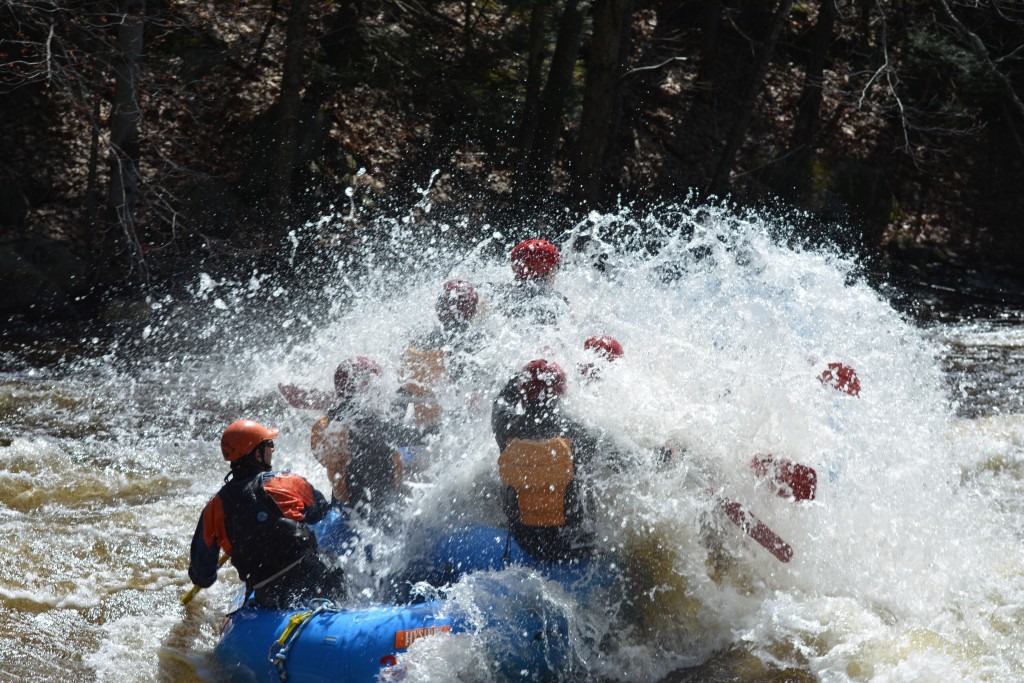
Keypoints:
pixel 880 122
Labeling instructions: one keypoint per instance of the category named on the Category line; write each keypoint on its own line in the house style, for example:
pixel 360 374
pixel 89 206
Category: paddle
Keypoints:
pixel 792 480
pixel 841 378
pixel 194 590
pixel 748 523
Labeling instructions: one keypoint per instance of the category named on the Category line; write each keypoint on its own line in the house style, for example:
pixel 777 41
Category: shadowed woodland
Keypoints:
pixel 146 139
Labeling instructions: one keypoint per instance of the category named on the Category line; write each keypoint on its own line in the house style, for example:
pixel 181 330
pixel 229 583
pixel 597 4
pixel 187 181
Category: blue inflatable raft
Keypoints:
pixel 327 643
pixel 322 644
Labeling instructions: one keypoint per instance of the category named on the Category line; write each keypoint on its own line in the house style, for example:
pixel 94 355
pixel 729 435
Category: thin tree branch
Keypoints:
pixel 653 67
pixel 891 80
pixel 982 53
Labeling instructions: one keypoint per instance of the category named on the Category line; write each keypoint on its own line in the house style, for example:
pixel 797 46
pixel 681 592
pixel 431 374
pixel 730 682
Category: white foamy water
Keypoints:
pixel 908 566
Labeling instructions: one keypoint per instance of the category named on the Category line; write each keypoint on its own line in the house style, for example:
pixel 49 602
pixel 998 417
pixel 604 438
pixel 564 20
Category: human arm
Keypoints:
pixel 320 507
pixel 329 443
pixel 592 446
pixel 388 432
pixel 205 549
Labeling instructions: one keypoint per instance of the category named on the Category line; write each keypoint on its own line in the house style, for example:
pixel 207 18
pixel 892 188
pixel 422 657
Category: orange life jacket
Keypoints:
pixel 424 368
pixel 329 442
pixel 540 472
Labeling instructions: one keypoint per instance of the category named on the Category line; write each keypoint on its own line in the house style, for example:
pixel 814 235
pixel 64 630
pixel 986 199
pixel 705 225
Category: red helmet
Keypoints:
pixel 604 346
pixel 354 374
pixel 242 436
pixel 541 380
pixel 842 378
pixel 457 302
pixel 533 259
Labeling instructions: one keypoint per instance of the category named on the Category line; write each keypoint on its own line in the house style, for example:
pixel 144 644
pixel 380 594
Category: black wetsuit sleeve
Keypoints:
pixel 502 413
pixel 397 434
pixel 202 568
pixel 319 509
pixel 373 438
pixel 588 446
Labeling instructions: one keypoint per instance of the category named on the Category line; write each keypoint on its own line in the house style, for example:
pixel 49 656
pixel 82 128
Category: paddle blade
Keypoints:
pixel 792 479
pixel 306 399
pixel 757 530
pixel 841 378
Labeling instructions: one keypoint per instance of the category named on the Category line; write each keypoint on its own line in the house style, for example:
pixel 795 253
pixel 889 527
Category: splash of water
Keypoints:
pixel 726 327
pixel 903 567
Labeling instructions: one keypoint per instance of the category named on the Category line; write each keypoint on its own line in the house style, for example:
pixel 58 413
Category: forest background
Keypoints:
pixel 145 141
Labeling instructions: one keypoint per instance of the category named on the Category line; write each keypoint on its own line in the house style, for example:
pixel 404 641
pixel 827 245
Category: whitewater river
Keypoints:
pixel 909 565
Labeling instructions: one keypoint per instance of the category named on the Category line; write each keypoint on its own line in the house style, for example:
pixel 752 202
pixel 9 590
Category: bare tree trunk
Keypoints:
pixel 257 54
pixel 534 80
pixel 293 75
pixel 608 51
pixel 709 49
pixel 720 179
pixel 92 190
pixel 124 140
pixel 549 124
pixel 808 116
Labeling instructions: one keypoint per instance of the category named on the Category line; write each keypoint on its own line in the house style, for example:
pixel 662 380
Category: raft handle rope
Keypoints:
pixel 290 634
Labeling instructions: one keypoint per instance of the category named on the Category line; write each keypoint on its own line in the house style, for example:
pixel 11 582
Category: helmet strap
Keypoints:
pixel 245 467
pixel 259 455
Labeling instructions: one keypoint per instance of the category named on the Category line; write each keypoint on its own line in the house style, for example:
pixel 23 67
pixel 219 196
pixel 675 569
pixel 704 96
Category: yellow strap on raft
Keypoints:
pixel 288 637
pixel 539 471
pixel 294 621
pixel 332 451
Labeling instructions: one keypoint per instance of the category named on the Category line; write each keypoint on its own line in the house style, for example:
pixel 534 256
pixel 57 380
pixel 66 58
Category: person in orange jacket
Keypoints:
pixel 445 355
pixel 457 306
pixel 260 518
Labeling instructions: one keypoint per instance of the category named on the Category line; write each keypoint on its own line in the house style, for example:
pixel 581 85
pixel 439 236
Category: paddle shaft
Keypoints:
pixel 756 529
pixel 792 479
pixel 748 523
pixel 194 590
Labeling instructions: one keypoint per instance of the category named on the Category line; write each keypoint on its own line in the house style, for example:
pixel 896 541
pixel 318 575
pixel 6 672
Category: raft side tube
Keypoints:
pixel 331 645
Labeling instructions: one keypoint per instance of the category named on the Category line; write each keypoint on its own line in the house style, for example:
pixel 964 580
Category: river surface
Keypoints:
pixel 909 565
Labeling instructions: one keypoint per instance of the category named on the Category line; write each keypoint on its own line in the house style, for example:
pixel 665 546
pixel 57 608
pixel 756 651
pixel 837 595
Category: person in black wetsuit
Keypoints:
pixel 532 298
pixel 364 450
pixel 260 519
pixel 604 349
pixel 544 455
